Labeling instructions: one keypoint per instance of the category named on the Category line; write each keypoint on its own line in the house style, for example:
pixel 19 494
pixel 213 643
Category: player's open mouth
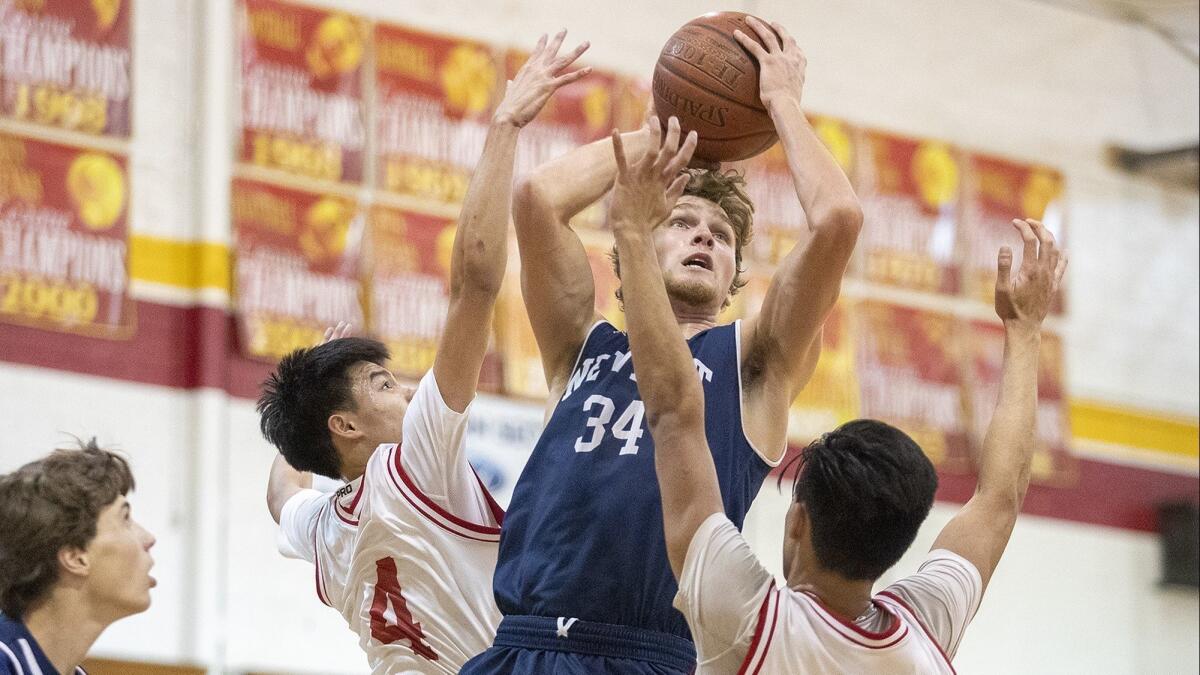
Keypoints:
pixel 702 260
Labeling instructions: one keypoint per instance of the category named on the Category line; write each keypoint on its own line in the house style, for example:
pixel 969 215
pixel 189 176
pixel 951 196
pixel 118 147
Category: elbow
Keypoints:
pixel 530 196
pixel 845 220
pixel 679 419
pixel 482 269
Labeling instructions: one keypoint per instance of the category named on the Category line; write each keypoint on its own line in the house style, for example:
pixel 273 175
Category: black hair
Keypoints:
pixel 308 386
pixel 867 487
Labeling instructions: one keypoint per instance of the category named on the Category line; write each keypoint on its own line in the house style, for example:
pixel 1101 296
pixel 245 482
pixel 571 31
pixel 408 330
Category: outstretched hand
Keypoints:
pixel 647 189
pixel 1027 298
pixel 542 75
pixel 781 64
pixel 341 330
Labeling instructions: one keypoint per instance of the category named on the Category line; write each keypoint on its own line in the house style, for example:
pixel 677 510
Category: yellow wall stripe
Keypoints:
pixel 1133 428
pixel 185 264
pixel 196 265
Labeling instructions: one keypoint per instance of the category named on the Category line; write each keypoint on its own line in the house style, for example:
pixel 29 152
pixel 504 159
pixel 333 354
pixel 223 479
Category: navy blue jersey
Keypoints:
pixel 583 535
pixel 20 653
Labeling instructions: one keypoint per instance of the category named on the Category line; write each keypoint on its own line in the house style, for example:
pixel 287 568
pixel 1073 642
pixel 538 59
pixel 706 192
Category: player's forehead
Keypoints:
pixel 366 372
pixel 700 209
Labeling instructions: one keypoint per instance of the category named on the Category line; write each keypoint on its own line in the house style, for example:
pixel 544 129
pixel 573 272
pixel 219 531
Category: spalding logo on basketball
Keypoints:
pixel 710 82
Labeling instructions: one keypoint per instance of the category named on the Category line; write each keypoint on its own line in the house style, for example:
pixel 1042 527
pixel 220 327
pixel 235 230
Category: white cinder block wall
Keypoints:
pixel 1011 77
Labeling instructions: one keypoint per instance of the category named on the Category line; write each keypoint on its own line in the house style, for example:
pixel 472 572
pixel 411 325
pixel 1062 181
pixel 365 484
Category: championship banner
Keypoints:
pixel 302 90
pixel 523 374
pixel 408 263
pixel 909 193
pixel 998 191
pixel 779 220
pixel 435 99
pixel 63 238
pixel 1053 462
pixel 910 375
pixel 297 266
pixel 579 113
pixel 66 64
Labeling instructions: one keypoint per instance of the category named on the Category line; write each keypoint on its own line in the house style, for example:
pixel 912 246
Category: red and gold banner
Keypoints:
pixel 409 265
pixel 66 64
pixel 999 190
pixel 435 99
pixel 1053 462
pixel 910 375
pixel 302 90
pixel 910 193
pixel 63 238
pixel 779 220
pixel 297 266
pixel 579 113
pixel 523 375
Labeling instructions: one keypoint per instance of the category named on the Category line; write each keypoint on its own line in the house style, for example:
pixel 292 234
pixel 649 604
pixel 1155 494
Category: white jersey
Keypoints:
pixel 406 552
pixel 742 623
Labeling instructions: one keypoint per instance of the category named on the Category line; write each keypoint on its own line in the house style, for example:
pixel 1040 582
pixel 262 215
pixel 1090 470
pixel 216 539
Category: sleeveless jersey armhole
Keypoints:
pixel 737 337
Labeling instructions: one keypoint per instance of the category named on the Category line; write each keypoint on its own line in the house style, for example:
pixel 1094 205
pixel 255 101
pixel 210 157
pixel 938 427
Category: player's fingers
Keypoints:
pixel 750 44
pixel 785 37
pixel 1029 254
pixel 328 334
pixel 669 146
pixel 1004 268
pixel 568 78
pixel 682 157
pixel 537 49
pixel 768 37
pixel 552 48
pixel 1059 270
pixel 1045 238
pixel 619 152
pixel 675 191
pixel 570 57
pixel 655 141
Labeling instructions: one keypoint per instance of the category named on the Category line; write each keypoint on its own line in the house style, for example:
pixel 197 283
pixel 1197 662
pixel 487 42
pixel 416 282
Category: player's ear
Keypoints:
pixel 343 424
pixel 74 561
pixel 797 523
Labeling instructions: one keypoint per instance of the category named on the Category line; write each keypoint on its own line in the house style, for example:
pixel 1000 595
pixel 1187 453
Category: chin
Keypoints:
pixel 695 293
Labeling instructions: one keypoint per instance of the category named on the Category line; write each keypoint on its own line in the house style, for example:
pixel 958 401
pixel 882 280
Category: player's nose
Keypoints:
pixel 703 237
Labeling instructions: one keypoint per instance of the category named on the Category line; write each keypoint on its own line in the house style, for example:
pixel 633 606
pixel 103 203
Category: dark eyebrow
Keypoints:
pixel 381 372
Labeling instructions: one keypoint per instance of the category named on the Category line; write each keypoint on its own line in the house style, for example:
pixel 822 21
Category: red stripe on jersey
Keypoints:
pixel 497 510
pixel 876 636
pixel 825 615
pixel 920 622
pixel 763 611
pixel 424 505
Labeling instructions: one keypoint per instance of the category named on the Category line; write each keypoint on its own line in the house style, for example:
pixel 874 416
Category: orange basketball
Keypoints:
pixel 710 82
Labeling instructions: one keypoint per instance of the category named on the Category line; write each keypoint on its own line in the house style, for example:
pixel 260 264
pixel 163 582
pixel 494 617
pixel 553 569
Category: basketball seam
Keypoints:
pixel 718 94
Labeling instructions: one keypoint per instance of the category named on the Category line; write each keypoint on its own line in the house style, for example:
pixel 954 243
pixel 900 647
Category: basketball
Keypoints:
pixel 710 82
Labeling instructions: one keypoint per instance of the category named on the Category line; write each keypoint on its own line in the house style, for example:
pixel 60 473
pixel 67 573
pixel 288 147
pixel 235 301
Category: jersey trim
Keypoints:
pixel 425 506
pixel 757 654
pixel 857 634
pixel 348 514
pixel 737 341
pixel 322 594
pixel 920 622
pixel 12 658
pixel 579 357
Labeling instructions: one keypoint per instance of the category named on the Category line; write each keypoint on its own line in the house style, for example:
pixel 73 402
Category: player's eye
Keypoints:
pixel 679 223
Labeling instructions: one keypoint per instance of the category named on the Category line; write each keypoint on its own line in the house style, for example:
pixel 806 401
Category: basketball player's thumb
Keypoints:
pixel 1003 267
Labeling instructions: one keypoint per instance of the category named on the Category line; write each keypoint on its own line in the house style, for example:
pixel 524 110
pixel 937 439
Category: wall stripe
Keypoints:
pixel 207 266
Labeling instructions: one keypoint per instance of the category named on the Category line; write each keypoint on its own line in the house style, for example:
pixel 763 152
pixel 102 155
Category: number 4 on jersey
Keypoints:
pixel 390 619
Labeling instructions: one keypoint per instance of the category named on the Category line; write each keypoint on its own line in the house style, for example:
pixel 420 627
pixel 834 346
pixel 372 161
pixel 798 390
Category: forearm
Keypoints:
pixel 1008 446
pixel 566 185
pixel 824 191
pixel 666 372
pixel 480 244
pixel 283 483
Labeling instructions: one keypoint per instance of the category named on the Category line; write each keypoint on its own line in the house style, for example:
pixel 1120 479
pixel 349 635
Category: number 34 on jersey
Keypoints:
pixel 601 409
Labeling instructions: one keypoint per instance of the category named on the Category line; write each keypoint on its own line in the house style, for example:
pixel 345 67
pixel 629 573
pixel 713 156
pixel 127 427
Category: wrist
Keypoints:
pixel 783 104
pixel 505 121
pixel 1023 329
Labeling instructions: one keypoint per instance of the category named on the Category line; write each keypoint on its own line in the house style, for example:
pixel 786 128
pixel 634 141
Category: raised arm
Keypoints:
pixel 980 531
pixel 646 189
pixel 556 280
pixel 283 484
pixel 783 340
pixel 480 245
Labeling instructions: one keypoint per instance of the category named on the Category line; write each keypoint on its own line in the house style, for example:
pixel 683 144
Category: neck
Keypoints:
pixel 355 458
pixel 65 648
pixel 692 319
pixel 850 598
